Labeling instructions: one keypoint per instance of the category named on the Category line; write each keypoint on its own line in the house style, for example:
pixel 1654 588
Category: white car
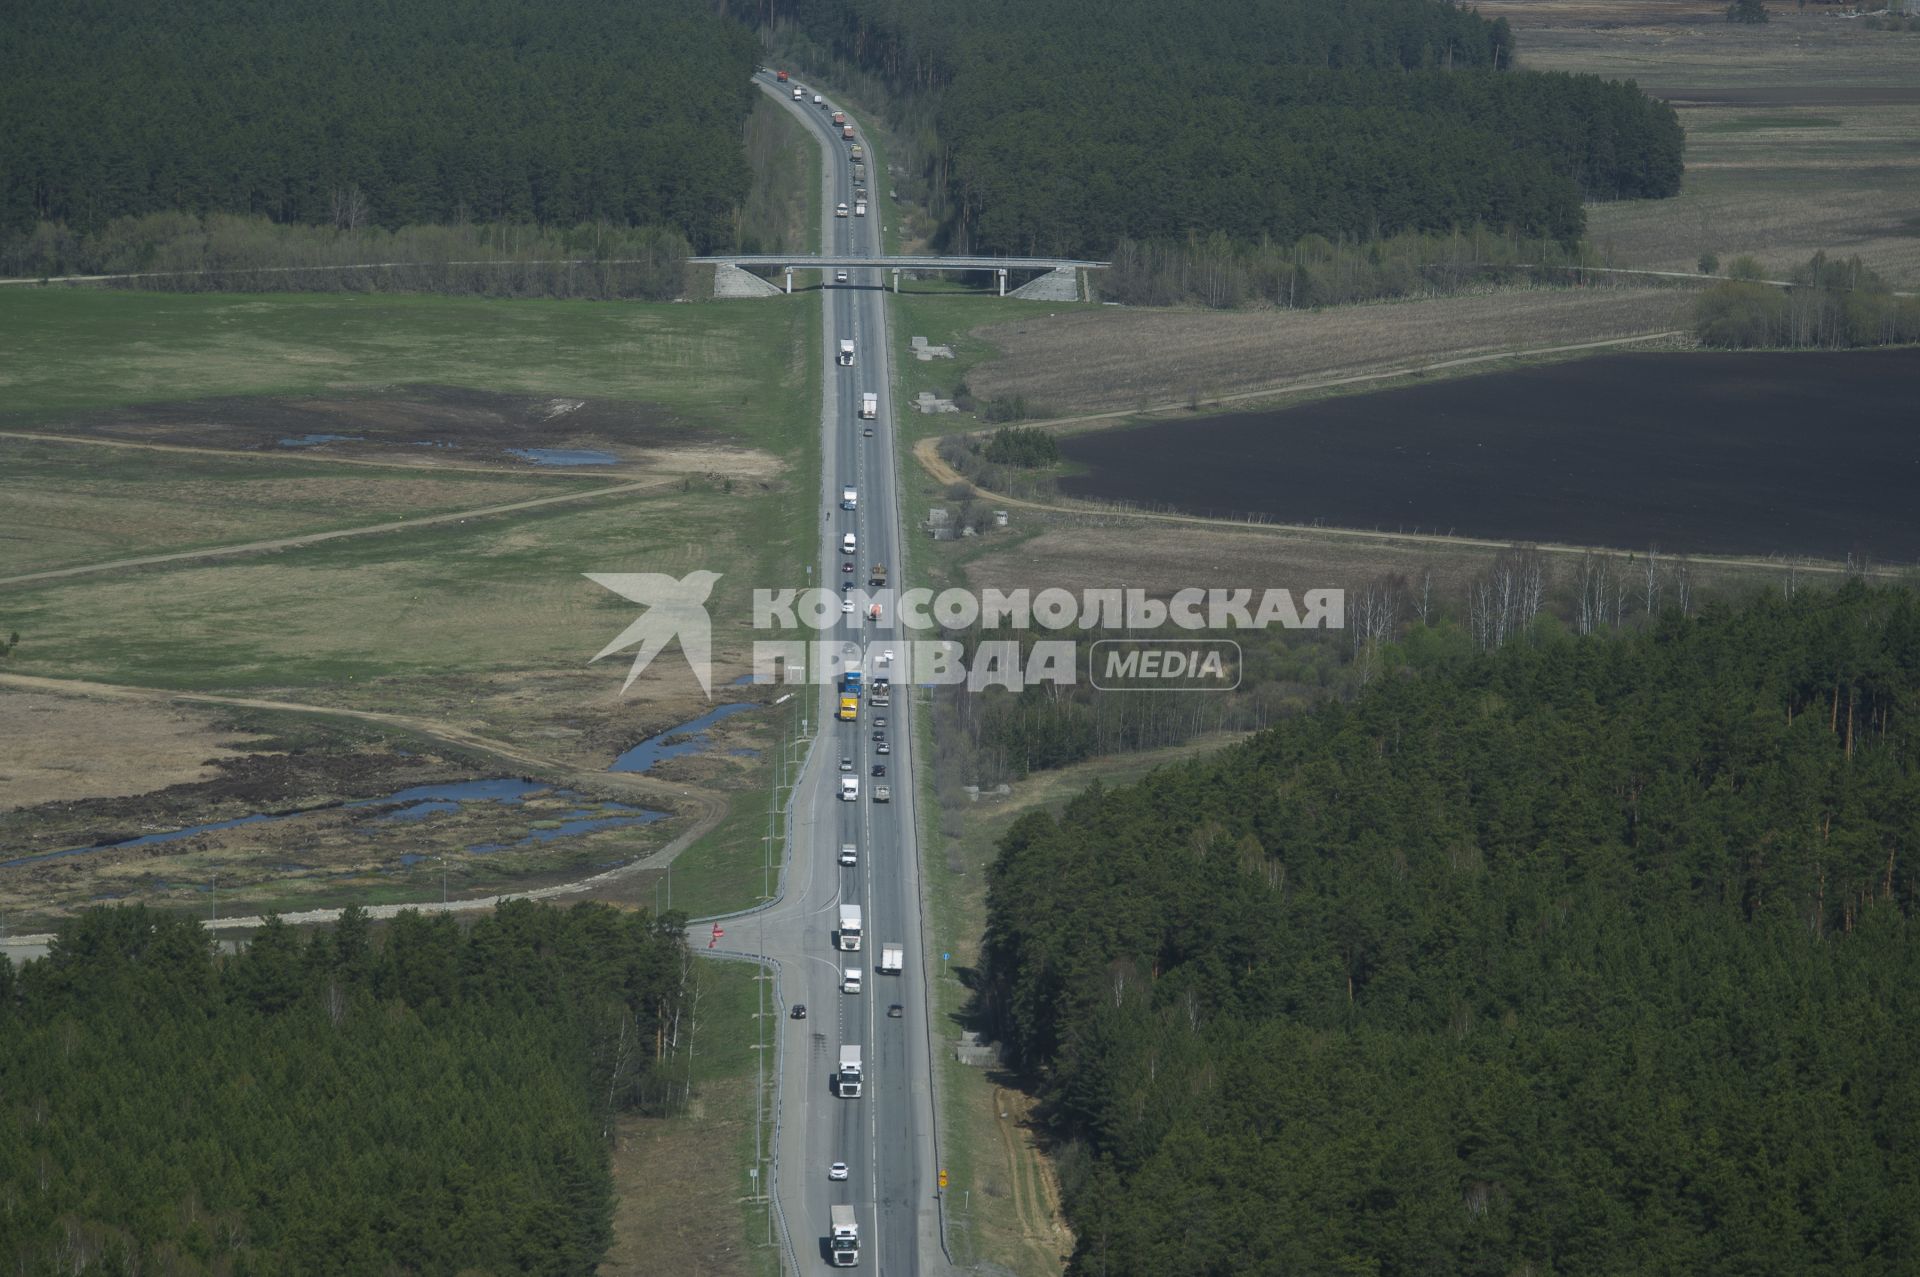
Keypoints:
pixel 846 607
pixel 839 277
pixel 837 1171
pixel 887 656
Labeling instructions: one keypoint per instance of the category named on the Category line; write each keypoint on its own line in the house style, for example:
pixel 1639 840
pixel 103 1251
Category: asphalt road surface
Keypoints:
pixel 886 1135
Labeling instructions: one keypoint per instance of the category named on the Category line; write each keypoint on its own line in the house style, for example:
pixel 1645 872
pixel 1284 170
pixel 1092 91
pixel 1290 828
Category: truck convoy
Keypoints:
pixel 839 118
pixel 846 352
pixel 849 1075
pixel 859 208
pixel 846 132
pixel 850 928
pixel 844 1242
pixel 892 958
pixel 857 152
pixel 869 408
pixel 877 575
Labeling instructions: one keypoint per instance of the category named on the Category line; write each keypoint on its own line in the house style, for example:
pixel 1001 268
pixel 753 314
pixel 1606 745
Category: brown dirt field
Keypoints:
pixel 425 426
pixel 1116 360
pixel 692 1234
pixel 64 749
pixel 1801 133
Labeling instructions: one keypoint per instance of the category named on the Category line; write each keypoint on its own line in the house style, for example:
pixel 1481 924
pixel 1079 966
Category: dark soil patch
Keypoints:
pixel 1747 454
pixel 427 423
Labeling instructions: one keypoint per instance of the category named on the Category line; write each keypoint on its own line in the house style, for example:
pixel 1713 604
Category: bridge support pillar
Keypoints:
pixel 1003 281
pixel 896 280
pixel 789 279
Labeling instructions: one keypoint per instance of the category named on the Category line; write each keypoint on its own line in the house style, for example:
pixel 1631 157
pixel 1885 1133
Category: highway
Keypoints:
pixel 886 1135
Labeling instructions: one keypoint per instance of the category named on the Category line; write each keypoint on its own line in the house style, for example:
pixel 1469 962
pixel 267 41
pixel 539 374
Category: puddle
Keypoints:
pixel 571 828
pixel 312 441
pixel 565 456
pixel 688 738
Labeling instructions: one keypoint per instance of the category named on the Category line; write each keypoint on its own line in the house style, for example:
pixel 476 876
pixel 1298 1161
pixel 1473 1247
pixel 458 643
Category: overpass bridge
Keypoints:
pixel 1061 276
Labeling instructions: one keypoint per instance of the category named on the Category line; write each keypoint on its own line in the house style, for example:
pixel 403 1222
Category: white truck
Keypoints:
pixel 859 208
pixel 850 980
pixel 844 1242
pixel 849 855
pixel 850 928
pixel 849 498
pixel 840 210
pixel 892 958
pixel 848 1078
pixel 869 406
pixel 882 794
pixel 849 789
pixel 849 543
pixel 846 345
pixel 799 93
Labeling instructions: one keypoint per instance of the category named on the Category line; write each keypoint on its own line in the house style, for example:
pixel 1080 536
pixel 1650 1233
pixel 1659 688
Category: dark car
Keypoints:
pixel 895 1011
pixel 799 1011
pixel 879 735
pixel 846 567
pixel 879 769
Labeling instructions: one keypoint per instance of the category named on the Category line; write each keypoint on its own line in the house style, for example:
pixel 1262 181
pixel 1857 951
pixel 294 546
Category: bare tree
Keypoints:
pixel 349 207
pixel 1682 572
pixel 1653 580
pixel 1505 599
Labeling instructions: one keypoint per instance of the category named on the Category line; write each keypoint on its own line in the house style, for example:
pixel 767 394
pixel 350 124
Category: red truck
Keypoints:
pixel 846 132
pixel 839 117
pixel 781 76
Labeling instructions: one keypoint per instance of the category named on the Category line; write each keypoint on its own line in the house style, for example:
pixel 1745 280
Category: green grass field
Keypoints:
pixel 67 505
pixel 736 367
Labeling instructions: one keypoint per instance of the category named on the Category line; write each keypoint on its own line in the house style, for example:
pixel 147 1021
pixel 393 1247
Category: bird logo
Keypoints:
pixel 676 607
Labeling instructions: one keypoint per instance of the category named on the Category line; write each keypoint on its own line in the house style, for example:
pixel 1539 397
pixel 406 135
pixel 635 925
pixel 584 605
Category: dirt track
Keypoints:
pixel 314 538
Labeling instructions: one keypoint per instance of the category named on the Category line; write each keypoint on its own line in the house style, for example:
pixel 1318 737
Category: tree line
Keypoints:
pixel 1833 303
pixel 227 252
pixel 439 1102
pixel 1581 955
pixel 390 113
pixel 1059 129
